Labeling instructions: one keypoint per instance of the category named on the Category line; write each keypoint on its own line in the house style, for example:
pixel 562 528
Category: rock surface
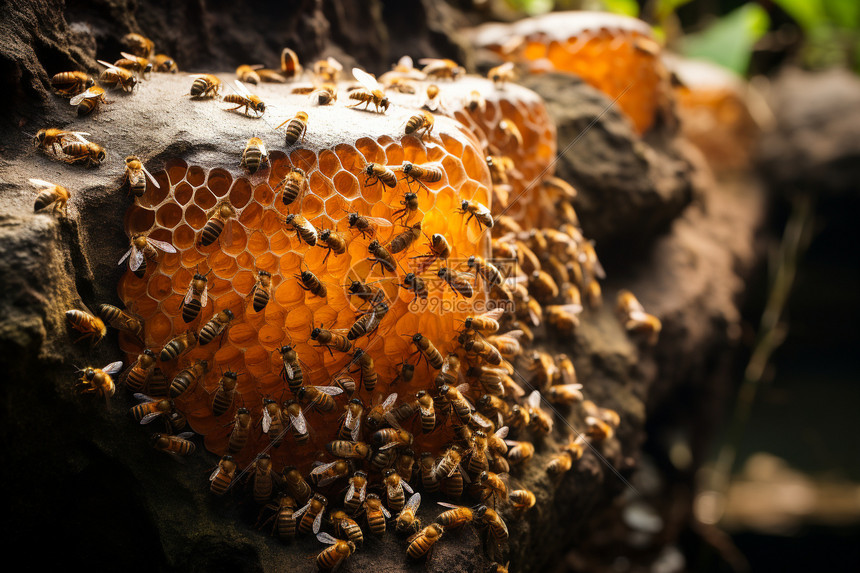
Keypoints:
pixel 83 483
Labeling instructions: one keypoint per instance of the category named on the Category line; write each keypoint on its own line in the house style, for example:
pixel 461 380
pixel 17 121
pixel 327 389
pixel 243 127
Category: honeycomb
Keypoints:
pixel 712 105
pixel 610 52
pixel 332 157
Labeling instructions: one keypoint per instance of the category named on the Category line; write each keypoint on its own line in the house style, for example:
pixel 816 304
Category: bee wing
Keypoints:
pixel 494 314
pixel 289 369
pixel 143 398
pixel 125 256
pixel 128 56
pixel 350 492
pixel 150 417
pixel 407 487
pixel 242 89
pixel 318 521
pixel 92 92
pixel 189 294
pixel 297 514
pixel 502 433
pixel 572 308
pixel 215 473
pixel 334 63
pixel 448 505
pixel 151 178
pixel 166 247
pixel 112 368
pixel 136 259
pixel 326 538
pixel 413 502
pixel 389 402
pixel 534 399
pixel 365 79
pixel 205 297
pixel 299 422
pixel 506 67
pixel 267 420
pixel 40 183
pixel 322 468
pixel 330 390
pixel 185 435
pixel 405 63
pixel 385 512
pixel 379 221
pixel 107 65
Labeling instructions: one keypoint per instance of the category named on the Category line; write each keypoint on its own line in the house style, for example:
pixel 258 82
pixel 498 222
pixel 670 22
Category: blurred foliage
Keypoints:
pixel 831 29
pixel 729 41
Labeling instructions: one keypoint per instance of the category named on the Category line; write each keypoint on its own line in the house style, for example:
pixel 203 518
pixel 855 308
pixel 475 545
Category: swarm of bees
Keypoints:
pixel 456 414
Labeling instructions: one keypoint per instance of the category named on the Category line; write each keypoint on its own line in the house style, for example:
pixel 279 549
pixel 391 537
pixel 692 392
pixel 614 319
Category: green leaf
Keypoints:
pixel 730 40
pixel 807 13
pixel 625 7
pixel 667 7
pixel 532 7
pixel 843 13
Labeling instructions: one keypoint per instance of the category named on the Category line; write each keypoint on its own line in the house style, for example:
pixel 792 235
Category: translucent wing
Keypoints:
pixel 189 294
pixel 448 505
pixel 299 422
pixel 534 399
pixel 205 297
pixel 326 538
pixel 40 183
pixel 572 308
pixel 405 64
pixel 334 63
pixel 85 95
pixel 318 521
pixel 321 469
pixel 350 492
pixel 107 65
pixel 494 314
pixel 267 420
pixel 128 56
pixel 151 178
pixel 365 79
pixel 385 512
pixel 407 487
pixel 379 221
pixel 302 510
pixel 242 89
pixel 502 433
pixel 136 259
pixel 506 67
pixel 112 368
pixel 413 502
pixel 150 417
pixel 166 247
pixel 125 256
pixel 215 473
pixel 389 402
pixel 330 390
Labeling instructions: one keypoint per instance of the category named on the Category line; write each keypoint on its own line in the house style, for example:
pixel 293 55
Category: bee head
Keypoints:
pixel 90 82
pixel 149 352
pixel 101 155
pixel 315 333
pixel 40 138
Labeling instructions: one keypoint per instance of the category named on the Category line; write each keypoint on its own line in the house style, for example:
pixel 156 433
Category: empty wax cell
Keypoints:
pixel 155 195
pixel 371 150
pixel 130 287
pixel 244 282
pixel 258 243
pixel 192 257
pixel 311 207
pixel 271 223
pixel 373 193
pixel 304 158
pixel 289 294
pixel 168 215
pixel 242 334
pixel 159 286
pixel 245 259
pixel 329 163
pixel 240 193
pixel 394 154
pixel 204 198
pixel 223 265
pixel 183 239
pixel 176 169
pixel 271 336
pixel 172 305
pixel 219 181
pixel 346 184
pixel 258 361
pixel 234 239
pixel 182 193
pixel 158 331
pixel 181 279
pixel 195 175
pixel 138 220
pixel 263 195
pixel 454 170
pixel 218 287
pixel 251 216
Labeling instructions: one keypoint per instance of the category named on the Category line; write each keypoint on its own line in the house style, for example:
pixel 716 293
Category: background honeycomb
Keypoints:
pixel 179 209
pixel 609 51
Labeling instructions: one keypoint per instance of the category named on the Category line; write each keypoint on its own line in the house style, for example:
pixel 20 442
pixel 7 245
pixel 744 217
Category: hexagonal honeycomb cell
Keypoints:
pixel 612 53
pixel 339 144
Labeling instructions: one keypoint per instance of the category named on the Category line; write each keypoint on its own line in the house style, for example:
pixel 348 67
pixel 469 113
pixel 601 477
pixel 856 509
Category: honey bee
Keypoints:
pixel 456 516
pixel 196 297
pixel 303 228
pixel 395 488
pixel 121 320
pixel 542 287
pixel 312 514
pixel 388 438
pixel 333 557
pixel 407 520
pixel 356 492
pixel 179 345
pixel 51 194
pixel 427 467
pixel 347 527
pixel 350 428
pixel 421 544
pixel 295 420
pixel 426 411
pixel 240 432
pixel 115 77
pixel 324 474
pixel 283 516
pixel 522 499
pixel 158 383
pixel 375 513
pixel 345 383
pixel 367 226
pixel 439 249
pixel 142 247
pixel 539 420
pixel 519 452
pixel 416 284
pixel 330 339
pixel 459 403
pixel 381 256
pixel 136 175
pixel 52 138
pixel 262 291
pixel 271 76
pixel 371 92
pixel 401 85
pixel 290 66
pixel 497 526
pixel 441 68
pixel 562 318
pixel 325 94
pixel 83 152
pixel 311 283
pixel 296 485
pixel 475 102
pixel 632 314
pixel 402 241
pixel 479 212
pixel 375 172
pixel 428 351
pixel 500 167
pixel 91 326
pixel 248 74
pixel 89 100
pixel 221 479
pixel 223 398
pixel 459 282
pixel 449 463
pixel 294 184
pixel 319 397
pixel 297 126
pixel 136 64
pixel 565 394
pixel 376 416
pixel 422 122
pixel 272 422
pixel 433 101
pixel 69 84
pixel 165 64
pixel 508 344
pixel 291 371
pixel 485 270
pixel 421 174
pixel 205 86
pixel 179 445
pixel 327 70
pixel 215 326
pixel 367 324
pixel 138 44
pixel 502 74
pixel 98 381
pixel 255 155
pixel 137 375
pixel 263 478
pixel 410 205
pixel 511 133
pixel 188 378
pixel 559 464
pixel 333 242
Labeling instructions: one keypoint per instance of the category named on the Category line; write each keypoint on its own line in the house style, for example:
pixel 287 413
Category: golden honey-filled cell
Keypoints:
pixel 265 234
pixel 615 54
